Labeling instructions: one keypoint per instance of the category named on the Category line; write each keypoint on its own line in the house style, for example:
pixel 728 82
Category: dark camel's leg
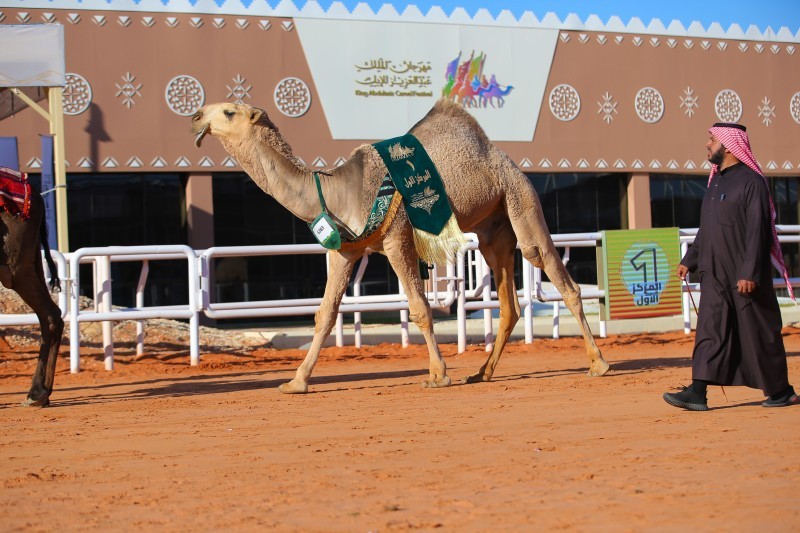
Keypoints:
pixel 498 250
pixel 341 266
pixel 537 247
pixel 404 260
pixel 29 283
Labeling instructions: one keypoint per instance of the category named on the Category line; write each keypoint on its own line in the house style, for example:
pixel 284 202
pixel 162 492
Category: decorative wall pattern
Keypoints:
pixel 766 111
pixel 649 105
pixel 129 90
pixel 794 107
pixel 565 102
pixel 184 95
pixel 238 92
pixel 690 102
pixel 77 94
pixel 293 97
pixel 728 106
pixel 608 108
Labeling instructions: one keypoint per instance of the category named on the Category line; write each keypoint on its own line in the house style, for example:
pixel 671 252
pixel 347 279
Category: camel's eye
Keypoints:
pixel 229 114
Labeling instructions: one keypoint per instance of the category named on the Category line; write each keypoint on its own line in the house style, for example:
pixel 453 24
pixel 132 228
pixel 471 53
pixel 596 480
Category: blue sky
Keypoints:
pixel 763 13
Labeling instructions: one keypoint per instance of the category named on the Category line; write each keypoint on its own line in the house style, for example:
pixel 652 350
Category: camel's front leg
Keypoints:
pixel 404 260
pixel 340 268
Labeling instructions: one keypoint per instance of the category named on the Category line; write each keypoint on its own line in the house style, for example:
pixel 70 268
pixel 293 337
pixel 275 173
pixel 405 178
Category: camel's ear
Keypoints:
pixel 255 114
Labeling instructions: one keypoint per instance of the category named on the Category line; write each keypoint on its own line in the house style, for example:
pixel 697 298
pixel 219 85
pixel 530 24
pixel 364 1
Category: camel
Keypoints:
pixel 494 91
pixel 21 270
pixel 489 195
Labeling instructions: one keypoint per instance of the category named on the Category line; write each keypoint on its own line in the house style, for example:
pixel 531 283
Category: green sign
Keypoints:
pixel 638 273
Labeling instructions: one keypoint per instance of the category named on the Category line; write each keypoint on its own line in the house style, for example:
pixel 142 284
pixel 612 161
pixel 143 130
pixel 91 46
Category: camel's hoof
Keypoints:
pixel 292 387
pixel 41 402
pixel 598 368
pixel 432 384
pixel 476 378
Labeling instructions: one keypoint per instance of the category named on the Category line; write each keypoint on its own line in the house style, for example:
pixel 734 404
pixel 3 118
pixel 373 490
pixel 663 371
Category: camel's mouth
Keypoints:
pixel 199 139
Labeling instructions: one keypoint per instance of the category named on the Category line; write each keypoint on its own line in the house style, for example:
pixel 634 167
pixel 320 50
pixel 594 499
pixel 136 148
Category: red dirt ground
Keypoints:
pixel 159 445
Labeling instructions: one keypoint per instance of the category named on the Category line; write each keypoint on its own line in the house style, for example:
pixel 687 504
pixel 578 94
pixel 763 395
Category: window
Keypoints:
pixel 676 200
pixel 785 199
pixel 580 203
pixel 130 210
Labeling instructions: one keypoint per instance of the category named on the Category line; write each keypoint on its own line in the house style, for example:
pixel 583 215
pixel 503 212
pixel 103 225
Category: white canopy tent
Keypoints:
pixel 33 55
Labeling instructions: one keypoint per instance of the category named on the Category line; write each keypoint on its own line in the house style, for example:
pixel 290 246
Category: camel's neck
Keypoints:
pixel 279 175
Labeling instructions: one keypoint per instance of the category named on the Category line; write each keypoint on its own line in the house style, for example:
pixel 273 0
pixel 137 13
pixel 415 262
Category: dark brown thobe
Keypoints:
pixel 738 339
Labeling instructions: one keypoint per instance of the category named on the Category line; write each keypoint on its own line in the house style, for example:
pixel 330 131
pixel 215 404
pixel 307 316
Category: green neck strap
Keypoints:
pixel 319 192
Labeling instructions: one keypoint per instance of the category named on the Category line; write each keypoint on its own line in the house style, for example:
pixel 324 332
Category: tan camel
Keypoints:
pixel 488 194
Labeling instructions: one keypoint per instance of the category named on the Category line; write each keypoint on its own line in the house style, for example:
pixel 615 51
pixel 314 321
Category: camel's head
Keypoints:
pixel 225 120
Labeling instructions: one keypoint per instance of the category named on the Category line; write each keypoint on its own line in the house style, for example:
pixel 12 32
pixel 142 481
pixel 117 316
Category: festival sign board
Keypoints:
pixel 638 273
pixel 377 79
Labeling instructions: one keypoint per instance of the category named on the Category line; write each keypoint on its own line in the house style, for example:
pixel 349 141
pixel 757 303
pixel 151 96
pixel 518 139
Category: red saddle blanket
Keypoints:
pixel 15 192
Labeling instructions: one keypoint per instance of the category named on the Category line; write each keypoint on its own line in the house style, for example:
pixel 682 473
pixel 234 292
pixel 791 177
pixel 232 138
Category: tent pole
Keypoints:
pixel 55 97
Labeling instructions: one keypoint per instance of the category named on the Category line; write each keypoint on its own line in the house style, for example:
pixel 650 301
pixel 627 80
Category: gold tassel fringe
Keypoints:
pixel 439 249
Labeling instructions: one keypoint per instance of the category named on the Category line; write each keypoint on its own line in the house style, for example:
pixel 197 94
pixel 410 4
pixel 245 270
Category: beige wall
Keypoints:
pixel 129 127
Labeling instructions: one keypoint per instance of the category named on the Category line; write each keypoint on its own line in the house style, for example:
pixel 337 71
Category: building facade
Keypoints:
pixel 608 120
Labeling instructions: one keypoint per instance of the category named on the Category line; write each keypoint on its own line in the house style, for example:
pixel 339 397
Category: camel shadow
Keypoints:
pixel 540 374
pixel 202 385
pixel 640 365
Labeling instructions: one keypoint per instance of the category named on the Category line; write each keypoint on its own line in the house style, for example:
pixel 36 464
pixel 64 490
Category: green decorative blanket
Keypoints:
pixel 417 179
pixel 436 233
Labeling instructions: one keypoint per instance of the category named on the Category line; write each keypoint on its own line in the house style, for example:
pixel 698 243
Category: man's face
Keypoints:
pixel 716 151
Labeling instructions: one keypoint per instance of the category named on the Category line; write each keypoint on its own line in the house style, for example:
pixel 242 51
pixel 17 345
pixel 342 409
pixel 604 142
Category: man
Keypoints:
pixel 738 339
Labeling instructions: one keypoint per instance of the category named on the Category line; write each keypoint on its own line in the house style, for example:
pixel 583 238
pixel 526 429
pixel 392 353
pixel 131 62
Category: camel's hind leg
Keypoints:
pixel 404 260
pixel 537 247
pixel 341 266
pixel 571 292
pixel 31 287
pixel 498 250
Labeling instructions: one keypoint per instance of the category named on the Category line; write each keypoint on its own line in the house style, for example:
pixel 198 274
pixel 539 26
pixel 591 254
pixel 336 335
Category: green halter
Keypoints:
pixel 323 227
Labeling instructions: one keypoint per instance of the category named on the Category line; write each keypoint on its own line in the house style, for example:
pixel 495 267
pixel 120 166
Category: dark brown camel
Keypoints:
pixel 21 270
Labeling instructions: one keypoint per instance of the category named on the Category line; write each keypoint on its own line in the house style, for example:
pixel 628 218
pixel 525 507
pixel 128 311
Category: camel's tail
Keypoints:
pixel 55 283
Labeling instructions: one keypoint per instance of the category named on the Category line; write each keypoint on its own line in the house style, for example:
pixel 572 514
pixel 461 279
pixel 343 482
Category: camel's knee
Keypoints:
pixel 511 316
pixel 324 320
pixel 534 255
pixel 572 298
pixel 55 325
pixel 423 319
pixel 510 312
pixel 52 326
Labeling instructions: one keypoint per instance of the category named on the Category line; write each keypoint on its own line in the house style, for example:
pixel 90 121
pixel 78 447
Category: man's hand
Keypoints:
pixel 746 287
pixel 682 271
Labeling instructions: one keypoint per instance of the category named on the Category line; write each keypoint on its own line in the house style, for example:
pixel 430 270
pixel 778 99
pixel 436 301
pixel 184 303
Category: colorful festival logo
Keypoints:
pixel 467 84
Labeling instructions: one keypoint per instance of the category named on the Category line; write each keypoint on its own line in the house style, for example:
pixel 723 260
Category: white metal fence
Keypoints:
pixel 467 284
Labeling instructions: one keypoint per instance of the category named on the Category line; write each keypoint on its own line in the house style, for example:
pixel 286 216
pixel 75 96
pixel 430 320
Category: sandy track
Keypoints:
pixel 158 445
